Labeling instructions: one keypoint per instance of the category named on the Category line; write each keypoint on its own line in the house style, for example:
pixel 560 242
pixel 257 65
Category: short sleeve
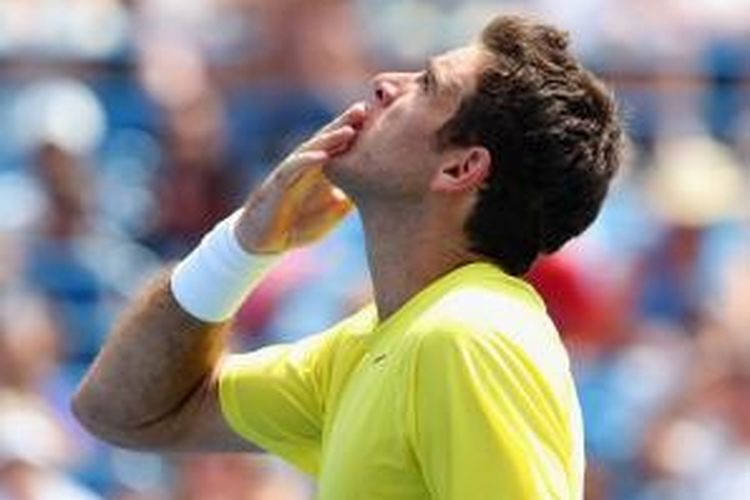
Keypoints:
pixel 485 423
pixel 273 397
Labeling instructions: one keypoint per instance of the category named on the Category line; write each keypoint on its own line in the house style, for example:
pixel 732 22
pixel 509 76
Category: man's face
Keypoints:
pixel 395 153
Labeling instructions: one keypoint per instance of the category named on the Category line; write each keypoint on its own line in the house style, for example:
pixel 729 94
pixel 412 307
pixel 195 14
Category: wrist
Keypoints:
pixel 248 235
pixel 213 281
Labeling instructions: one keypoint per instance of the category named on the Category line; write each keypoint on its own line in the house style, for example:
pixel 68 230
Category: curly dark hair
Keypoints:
pixel 554 136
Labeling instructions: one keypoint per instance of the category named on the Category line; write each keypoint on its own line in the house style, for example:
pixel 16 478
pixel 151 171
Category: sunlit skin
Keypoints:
pixel 297 204
pixel 396 146
pixel 154 385
pixel 413 197
pixel 381 149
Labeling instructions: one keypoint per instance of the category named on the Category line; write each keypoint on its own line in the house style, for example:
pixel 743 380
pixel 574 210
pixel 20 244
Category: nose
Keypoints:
pixel 387 87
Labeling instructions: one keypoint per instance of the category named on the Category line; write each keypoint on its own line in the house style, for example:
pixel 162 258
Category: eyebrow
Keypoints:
pixel 441 85
pixel 433 75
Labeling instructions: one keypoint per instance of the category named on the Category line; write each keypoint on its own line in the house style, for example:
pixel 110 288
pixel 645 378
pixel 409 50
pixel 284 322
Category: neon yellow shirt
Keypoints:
pixel 464 393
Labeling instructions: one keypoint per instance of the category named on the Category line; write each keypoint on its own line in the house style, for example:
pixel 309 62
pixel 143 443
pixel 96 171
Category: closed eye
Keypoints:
pixel 423 81
pixel 426 80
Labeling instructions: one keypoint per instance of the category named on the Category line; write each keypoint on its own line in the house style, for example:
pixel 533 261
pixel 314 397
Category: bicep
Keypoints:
pixel 265 399
pixel 206 426
pixel 199 425
pixel 274 398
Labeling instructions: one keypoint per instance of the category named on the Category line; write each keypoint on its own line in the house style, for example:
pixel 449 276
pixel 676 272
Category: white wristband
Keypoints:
pixel 212 282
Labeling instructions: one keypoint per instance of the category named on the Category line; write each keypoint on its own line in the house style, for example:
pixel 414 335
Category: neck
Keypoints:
pixel 407 250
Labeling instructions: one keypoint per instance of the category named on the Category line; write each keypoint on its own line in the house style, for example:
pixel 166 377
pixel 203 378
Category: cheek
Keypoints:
pixel 405 128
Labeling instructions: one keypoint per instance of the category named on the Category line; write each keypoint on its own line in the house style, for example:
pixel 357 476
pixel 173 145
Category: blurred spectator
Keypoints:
pixel 700 447
pixel 53 262
pixel 696 185
pixel 234 477
pixel 67 254
pixel 89 29
pixel 145 121
pixel 589 316
pixel 196 185
pixel 35 443
pixel 676 323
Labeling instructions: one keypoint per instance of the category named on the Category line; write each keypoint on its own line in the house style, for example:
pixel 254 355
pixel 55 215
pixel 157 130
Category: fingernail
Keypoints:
pixel 317 155
pixel 359 106
pixel 339 194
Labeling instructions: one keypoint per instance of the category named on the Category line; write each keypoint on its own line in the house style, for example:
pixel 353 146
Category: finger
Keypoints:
pixel 354 115
pixel 310 157
pixel 302 160
pixel 341 149
pixel 339 208
pixel 330 194
pixel 340 196
pixel 314 191
pixel 324 211
pixel 309 183
pixel 295 165
pixel 332 139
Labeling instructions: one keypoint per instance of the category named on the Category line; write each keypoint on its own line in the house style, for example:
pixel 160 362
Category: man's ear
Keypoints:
pixel 466 170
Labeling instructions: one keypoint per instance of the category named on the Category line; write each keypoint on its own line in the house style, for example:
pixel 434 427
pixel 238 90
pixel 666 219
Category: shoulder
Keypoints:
pixel 479 298
pixel 484 323
pixel 314 352
pixel 352 331
pixel 470 313
pixel 337 349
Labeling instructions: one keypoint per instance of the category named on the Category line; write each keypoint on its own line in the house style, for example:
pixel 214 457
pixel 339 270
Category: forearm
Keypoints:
pixel 154 384
pixel 151 366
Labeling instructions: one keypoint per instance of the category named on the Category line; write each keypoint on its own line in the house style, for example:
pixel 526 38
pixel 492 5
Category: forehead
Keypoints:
pixel 457 69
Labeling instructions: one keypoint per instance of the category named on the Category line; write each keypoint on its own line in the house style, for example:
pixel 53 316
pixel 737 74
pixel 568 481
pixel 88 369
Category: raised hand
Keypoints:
pixel 297 204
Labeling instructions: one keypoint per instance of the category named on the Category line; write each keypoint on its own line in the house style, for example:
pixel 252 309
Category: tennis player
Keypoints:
pixel 453 383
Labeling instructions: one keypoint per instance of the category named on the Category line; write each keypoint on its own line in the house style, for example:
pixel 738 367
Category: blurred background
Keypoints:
pixel 129 127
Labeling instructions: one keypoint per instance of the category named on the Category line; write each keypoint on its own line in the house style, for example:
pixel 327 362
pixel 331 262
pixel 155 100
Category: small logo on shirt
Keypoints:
pixel 379 359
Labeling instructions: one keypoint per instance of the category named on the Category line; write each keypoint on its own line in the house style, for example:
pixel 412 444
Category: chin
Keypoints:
pixel 336 170
pixel 345 172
